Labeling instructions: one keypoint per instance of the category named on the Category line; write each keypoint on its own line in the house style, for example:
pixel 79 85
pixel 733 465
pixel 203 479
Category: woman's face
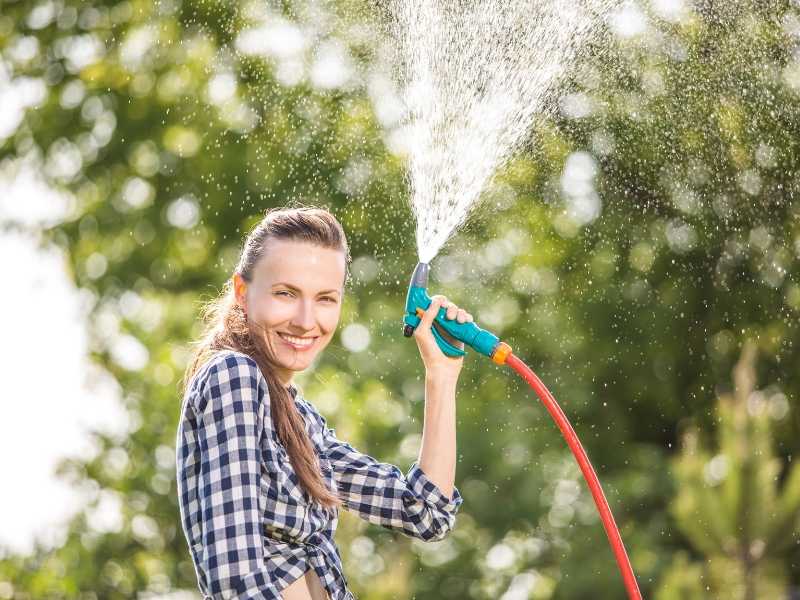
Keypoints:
pixel 296 295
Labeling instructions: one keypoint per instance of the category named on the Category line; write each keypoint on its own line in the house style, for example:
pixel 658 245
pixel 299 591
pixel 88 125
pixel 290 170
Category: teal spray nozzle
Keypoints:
pixel 480 340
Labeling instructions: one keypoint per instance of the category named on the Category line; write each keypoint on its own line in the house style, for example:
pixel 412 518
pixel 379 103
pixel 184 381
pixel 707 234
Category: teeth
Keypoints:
pixel 296 340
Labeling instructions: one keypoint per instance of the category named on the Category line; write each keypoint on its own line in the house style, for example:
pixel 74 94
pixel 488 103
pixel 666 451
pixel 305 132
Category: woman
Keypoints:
pixel 260 474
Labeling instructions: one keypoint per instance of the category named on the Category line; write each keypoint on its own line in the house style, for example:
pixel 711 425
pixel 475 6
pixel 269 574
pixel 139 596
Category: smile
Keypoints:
pixel 297 342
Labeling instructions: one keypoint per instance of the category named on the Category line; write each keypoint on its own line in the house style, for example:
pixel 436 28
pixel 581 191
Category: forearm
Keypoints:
pixel 437 456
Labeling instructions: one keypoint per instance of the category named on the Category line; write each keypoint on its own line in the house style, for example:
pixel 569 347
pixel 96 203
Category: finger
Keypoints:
pixel 461 317
pixel 452 311
pixel 470 319
pixel 429 315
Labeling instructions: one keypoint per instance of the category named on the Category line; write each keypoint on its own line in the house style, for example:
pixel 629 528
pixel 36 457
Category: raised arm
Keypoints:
pixel 437 455
pixel 231 419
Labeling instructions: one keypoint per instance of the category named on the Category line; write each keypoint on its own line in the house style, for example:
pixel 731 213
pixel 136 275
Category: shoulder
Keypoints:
pixel 225 364
pixel 225 372
pixel 226 360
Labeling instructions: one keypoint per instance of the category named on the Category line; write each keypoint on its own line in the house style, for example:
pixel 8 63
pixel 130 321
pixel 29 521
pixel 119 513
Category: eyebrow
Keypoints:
pixel 296 289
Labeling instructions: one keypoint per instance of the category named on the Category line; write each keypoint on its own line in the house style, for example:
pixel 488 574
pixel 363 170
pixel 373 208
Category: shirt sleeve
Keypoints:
pixel 231 421
pixel 380 493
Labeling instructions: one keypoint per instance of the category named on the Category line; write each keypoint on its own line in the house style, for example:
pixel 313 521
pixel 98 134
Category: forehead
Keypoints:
pixel 304 265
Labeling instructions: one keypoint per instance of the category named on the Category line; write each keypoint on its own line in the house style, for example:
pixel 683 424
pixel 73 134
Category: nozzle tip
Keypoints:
pixel 420 276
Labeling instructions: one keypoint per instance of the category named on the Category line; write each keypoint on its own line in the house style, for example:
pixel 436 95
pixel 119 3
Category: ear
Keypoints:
pixel 240 290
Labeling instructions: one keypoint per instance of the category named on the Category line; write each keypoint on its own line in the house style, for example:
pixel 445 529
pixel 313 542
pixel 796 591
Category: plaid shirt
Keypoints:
pixel 251 528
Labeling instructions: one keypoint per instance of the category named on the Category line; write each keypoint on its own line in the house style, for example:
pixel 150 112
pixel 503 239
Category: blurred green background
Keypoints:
pixel 641 255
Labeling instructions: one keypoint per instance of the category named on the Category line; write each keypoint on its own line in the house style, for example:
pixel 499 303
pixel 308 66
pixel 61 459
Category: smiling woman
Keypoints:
pixel 260 475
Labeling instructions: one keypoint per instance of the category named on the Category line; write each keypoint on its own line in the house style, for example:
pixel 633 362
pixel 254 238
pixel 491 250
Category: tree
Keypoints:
pixel 738 504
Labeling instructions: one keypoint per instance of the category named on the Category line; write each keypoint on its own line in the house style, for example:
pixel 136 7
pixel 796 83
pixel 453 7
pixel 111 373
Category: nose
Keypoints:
pixel 304 318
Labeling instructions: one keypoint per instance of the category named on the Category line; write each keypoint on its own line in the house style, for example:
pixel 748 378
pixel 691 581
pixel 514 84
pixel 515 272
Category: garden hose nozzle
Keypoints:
pixel 480 340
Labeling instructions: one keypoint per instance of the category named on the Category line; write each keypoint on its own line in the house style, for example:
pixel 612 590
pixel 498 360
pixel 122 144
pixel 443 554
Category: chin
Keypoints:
pixel 296 363
pixel 296 367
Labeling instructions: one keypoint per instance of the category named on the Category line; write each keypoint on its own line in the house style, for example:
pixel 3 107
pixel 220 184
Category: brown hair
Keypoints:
pixel 227 327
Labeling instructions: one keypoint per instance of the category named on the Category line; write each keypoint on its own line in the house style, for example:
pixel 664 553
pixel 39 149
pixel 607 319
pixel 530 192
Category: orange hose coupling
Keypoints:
pixel 501 353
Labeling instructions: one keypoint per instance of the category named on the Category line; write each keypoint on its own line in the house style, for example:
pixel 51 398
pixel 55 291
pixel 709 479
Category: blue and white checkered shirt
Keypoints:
pixel 251 528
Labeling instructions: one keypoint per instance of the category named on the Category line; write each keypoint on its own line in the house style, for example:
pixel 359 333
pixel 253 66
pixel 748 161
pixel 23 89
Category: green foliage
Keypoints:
pixel 684 581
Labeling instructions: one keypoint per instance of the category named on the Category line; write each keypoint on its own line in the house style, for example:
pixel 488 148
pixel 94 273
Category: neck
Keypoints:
pixel 285 376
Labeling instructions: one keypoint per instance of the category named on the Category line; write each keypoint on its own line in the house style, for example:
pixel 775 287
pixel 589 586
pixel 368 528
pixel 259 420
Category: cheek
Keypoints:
pixel 329 319
pixel 269 313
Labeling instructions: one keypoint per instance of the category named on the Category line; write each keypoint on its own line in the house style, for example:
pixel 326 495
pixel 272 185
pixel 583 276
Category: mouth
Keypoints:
pixel 298 343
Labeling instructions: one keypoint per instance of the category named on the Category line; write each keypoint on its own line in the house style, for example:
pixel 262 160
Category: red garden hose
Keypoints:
pixel 631 585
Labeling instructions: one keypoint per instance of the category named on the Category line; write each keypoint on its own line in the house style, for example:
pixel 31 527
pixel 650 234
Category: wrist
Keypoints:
pixel 441 378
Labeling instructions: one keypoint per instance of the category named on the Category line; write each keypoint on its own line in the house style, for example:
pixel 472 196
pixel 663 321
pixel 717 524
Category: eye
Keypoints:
pixel 284 293
pixel 329 298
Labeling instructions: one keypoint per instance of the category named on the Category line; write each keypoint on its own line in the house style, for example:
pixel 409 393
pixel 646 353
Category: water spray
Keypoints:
pixel 488 344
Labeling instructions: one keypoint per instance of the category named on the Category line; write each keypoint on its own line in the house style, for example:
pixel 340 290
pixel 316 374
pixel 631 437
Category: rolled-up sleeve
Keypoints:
pixel 231 418
pixel 380 493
